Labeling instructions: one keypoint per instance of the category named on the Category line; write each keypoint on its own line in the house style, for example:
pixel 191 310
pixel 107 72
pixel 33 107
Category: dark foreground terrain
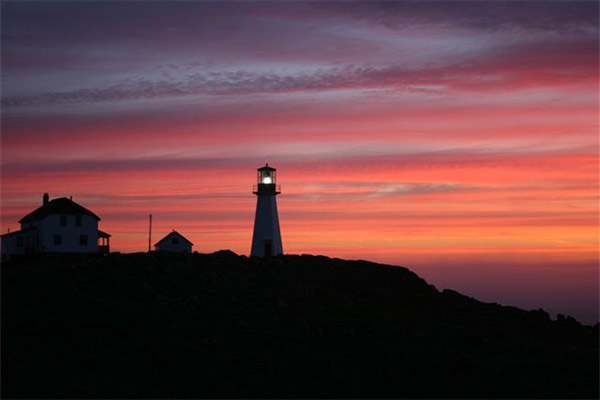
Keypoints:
pixel 221 325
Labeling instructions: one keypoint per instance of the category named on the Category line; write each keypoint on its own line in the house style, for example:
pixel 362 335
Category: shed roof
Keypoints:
pixel 62 205
pixel 171 234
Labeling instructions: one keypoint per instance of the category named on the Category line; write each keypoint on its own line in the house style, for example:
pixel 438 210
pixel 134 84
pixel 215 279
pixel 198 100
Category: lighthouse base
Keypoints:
pixel 266 239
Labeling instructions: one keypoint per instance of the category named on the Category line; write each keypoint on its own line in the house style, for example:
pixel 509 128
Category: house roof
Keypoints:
pixel 18 232
pixel 62 205
pixel 103 234
pixel 171 234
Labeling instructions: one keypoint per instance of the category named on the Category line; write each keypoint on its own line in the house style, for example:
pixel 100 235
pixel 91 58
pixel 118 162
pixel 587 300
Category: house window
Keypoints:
pixel 175 241
pixel 57 240
pixel 83 241
pixel 63 220
pixel 19 241
pixel 78 220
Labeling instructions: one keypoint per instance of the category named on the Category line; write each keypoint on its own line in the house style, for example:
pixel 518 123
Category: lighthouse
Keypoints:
pixel 266 239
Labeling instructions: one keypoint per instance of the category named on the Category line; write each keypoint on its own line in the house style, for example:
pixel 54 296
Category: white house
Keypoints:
pixel 175 242
pixel 58 226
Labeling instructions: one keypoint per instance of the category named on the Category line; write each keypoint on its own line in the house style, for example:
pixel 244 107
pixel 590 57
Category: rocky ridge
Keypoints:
pixel 160 325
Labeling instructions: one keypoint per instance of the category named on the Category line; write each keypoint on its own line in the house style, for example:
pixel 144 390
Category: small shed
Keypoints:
pixel 174 242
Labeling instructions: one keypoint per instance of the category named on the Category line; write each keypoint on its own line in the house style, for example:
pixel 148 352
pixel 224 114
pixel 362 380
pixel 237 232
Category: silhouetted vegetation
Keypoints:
pixel 161 325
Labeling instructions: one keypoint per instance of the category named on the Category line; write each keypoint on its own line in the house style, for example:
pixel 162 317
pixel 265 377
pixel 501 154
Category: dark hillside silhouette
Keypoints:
pixel 162 325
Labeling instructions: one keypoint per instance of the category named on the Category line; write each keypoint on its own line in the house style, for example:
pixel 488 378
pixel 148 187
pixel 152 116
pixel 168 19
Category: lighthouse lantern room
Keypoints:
pixel 266 174
pixel 267 181
pixel 266 239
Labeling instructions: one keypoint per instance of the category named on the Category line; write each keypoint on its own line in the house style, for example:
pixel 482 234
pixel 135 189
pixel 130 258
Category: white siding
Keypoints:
pixel 9 245
pixel 28 243
pixel 70 234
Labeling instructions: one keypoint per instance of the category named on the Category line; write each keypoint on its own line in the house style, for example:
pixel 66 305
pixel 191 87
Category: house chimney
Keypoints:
pixel 46 198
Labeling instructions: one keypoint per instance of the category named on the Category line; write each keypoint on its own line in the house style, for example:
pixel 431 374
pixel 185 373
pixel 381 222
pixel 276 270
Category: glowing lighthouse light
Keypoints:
pixel 266 239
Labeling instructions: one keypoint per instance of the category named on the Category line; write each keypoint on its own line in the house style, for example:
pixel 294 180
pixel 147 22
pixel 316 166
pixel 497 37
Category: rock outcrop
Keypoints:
pixel 159 325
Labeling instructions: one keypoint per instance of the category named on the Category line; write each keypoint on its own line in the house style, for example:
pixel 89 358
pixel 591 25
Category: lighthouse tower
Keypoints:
pixel 266 239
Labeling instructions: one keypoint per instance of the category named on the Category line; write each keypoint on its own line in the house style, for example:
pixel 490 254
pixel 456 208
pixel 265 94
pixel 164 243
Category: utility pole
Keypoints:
pixel 150 234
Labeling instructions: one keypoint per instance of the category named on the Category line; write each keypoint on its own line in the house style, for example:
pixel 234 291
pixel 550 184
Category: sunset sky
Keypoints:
pixel 459 139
